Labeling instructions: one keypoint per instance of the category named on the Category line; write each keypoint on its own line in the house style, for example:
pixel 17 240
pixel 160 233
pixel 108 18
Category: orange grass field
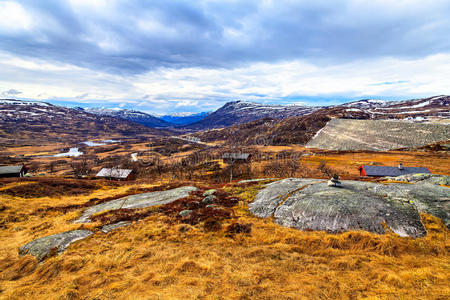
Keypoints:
pixel 156 258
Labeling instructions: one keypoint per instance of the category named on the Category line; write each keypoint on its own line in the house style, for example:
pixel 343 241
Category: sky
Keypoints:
pixel 172 56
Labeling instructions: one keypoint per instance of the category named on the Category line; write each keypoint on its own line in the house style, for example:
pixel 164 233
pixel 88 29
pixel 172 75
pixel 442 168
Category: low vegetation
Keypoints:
pixel 226 255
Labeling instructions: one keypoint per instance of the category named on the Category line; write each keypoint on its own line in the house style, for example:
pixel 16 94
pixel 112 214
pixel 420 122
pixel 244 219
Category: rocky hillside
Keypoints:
pixel 131 115
pixel 239 112
pixel 28 122
pixel 301 129
pixel 208 245
pixel 377 135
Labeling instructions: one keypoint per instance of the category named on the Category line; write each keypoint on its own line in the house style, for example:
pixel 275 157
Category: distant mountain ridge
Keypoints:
pixel 131 115
pixel 185 119
pixel 238 112
pixel 31 122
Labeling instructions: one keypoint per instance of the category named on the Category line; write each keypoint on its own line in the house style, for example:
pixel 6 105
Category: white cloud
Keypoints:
pixel 13 17
pixel 194 89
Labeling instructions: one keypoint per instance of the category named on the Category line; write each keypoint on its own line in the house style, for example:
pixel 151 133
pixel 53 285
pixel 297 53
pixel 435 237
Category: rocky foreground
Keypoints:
pixel 310 204
pixel 306 204
pixel 42 247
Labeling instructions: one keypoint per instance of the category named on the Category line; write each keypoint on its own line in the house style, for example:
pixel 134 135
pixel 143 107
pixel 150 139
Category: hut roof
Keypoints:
pixel 239 156
pixel 11 169
pixel 114 173
pixel 392 171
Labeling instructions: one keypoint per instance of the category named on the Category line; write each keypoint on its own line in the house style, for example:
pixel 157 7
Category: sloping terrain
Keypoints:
pixel 131 115
pixel 231 255
pixel 433 108
pixel 24 122
pixel 299 129
pixel 239 112
pixel 376 135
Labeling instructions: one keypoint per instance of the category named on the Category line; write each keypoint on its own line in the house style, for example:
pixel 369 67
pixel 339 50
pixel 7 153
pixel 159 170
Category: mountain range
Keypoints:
pixel 300 129
pixel 34 120
pixel 130 115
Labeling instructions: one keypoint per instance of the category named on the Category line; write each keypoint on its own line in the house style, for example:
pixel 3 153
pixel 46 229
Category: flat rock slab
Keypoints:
pixel 255 180
pixel 137 201
pixel 108 228
pixel 42 247
pixel 311 204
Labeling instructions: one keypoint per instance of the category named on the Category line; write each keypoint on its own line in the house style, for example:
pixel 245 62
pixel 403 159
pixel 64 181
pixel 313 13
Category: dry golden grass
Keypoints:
pixel 153 259
pixel 437 163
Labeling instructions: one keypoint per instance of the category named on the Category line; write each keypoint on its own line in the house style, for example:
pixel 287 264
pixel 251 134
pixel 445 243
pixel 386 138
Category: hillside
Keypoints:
pixel 300 129
pixel 239 112
pixel 223 252
pixel 131 115
pixel 377 135
pixel 28 122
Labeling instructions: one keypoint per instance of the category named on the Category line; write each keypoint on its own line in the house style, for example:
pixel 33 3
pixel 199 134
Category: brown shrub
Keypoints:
pixel 238 228
pixel 212 224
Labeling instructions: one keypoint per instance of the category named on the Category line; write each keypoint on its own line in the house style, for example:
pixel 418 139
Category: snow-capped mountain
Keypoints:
pixel 238 112
pixel 433 108
pixel 130 115
pixel 35 122
pixel 300 129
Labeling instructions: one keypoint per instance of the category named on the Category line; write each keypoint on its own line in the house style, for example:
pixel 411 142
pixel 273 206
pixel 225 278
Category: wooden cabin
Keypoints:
pixel 13 171
pixel 230 158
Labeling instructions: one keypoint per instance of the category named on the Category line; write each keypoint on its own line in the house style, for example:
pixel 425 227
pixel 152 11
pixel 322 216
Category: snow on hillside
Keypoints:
pixel 22 102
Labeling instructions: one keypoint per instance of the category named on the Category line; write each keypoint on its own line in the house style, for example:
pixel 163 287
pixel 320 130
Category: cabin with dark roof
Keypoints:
pixel 382 171
pixel 13 171
pixel 230 158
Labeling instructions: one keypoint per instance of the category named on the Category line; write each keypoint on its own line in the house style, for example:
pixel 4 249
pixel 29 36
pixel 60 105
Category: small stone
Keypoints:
pixel 334 183
pixel 185 213
pixel 209 192
pixel 209 199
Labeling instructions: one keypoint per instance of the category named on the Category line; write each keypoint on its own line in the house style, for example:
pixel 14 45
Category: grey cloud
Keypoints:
pixel 227 34
pixel 11 92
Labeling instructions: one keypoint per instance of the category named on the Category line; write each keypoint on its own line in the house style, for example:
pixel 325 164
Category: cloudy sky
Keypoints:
pixel 167 56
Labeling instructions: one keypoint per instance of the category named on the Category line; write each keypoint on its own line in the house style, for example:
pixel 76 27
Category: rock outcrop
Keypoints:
pixel 422 177
pixel 43 247
pixel 377 135
pixel 309 204
pixel 138 201
pixel 57 243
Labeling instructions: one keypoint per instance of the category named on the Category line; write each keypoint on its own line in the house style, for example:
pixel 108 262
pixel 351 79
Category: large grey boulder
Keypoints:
pixel 275 193
pixel 137 201
pixel 312 204
pixel 42 247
